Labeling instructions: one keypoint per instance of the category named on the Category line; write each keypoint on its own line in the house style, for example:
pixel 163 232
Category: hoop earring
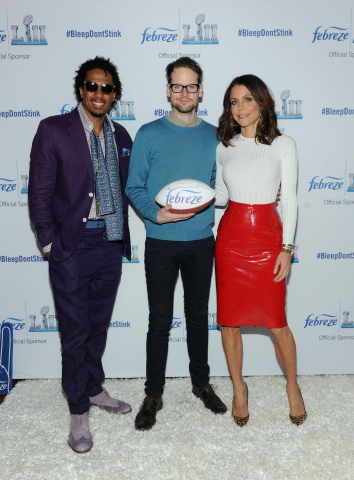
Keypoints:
pixel 233 124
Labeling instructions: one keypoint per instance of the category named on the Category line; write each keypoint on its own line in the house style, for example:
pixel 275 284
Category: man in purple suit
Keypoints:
pixel 78 172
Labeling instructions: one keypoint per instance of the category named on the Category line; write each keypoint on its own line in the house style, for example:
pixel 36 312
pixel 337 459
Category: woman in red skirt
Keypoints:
pixel 253 249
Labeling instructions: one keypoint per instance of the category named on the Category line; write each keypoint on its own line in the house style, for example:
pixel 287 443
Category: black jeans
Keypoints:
pixel 163 260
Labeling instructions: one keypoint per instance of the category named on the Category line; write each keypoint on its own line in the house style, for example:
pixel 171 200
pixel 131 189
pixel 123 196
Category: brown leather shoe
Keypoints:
pixel 208 396
pixel 146 417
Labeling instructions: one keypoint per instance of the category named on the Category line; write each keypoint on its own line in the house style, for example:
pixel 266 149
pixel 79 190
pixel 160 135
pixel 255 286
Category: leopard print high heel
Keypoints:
pixel 299 419
pixel 241 421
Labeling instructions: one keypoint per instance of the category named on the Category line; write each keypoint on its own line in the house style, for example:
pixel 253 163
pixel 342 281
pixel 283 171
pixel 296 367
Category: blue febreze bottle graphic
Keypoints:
pixel 290 109
pixel 123 110
pixel 34 36
pixel 351 183
pixel 206 34
pixel 6 351
pixel 346 323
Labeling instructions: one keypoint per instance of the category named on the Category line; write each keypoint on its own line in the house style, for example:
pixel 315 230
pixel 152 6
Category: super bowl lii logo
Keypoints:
pixel 134 256
pixel 295 258
pixel 346 323
pixel 31 36
pixel 351 183
pixel 290 109
pixel 123 110
pixel 203 34
pixel 212 321
pixel 44 322
pixel 24 184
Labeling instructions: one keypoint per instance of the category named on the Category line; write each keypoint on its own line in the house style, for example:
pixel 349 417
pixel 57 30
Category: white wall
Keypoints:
pixel 317 69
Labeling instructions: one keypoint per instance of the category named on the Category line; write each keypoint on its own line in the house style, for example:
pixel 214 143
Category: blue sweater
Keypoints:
pixel 162 153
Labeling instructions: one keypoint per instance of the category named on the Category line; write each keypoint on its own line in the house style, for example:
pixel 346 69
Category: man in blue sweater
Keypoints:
pixel 177 146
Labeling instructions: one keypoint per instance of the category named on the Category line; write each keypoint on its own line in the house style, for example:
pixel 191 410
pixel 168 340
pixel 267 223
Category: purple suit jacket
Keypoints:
pixel 61 182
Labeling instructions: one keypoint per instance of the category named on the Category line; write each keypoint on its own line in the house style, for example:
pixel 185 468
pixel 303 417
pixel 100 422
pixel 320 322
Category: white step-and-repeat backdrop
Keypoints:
pixel 303 50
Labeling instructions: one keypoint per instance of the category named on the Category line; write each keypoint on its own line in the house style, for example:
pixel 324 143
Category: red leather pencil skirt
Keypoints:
pixel 247 245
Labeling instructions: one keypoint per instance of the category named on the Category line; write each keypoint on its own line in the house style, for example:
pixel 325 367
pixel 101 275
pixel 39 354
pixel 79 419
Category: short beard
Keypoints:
pixel 186 109
pixel 98 115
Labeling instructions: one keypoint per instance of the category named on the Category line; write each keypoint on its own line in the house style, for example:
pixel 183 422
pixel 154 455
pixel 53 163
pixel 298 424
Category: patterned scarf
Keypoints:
pixel 108 189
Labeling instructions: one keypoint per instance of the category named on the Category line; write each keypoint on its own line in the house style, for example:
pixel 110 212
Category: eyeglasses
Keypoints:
pixel 106 88
pixel 178 88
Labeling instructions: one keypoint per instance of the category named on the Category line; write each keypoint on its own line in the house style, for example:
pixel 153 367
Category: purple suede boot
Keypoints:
pixel 80 439
pixel 109 404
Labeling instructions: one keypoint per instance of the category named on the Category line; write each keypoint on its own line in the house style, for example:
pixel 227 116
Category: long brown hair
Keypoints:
pixel 267 128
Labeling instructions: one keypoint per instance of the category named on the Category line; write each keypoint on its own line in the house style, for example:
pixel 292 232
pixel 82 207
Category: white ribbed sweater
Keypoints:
pixel 251 173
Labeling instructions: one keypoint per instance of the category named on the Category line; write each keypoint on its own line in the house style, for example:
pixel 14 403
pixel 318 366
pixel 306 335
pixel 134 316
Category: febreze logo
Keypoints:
pixel 7 185
pixel 326 183
pixel 190 197
pixel 2 36
pixel 330 33
pixel 186 195
pixel 176 322
pixel 322 319
pixel 66 108
pixel 160 34
pixel 17 323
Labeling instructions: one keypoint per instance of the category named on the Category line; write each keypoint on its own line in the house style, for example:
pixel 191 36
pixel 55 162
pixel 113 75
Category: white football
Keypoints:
pixel 185 196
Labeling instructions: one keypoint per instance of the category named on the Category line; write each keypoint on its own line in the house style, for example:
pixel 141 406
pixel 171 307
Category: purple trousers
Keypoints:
pixel 85 286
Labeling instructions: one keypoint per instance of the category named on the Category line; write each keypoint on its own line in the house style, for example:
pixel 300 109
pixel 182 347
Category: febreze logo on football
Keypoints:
pixel 204 34
pixel 122 110
pixel 321 320
pixel 160 34
pixel 185 196
pixel 333 33
pixel 290 109
pixel 31 36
